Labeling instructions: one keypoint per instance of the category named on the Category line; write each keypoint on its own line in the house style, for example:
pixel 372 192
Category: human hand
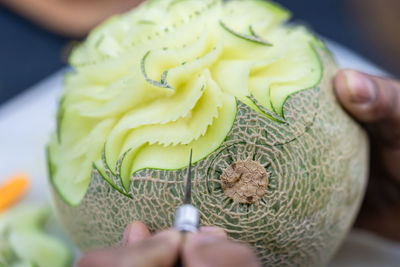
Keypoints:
pixel 375 103
pixel 74 18
pixel 209 247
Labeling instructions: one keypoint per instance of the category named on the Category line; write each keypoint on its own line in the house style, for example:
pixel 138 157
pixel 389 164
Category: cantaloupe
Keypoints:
pixel 277 163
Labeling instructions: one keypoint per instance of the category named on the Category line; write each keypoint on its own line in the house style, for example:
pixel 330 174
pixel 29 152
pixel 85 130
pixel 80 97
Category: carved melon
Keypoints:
pixel 277 162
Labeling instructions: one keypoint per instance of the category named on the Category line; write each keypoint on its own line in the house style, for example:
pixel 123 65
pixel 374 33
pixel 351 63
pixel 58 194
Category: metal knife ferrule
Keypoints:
pixel 187 219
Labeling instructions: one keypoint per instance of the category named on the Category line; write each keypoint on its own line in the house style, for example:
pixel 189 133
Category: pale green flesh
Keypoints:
pixel 150 85
pixel 24 242
pixel 175 157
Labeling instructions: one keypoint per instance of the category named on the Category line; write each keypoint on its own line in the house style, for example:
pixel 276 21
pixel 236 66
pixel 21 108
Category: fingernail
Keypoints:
pixel 134 232
pixel 360 87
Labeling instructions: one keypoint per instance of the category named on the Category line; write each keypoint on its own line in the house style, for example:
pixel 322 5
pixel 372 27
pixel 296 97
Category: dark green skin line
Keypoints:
pixel 250 38
pixel 109 181
pixel 163 83
pixel 272 104
pixel 119 164
pixel 49 165
pixel 164 77
pixel 307 129
pixel 321 69
pixel 59 118
pixel 254 34
pixel 105 162
pixel 267 113
pixel 106 167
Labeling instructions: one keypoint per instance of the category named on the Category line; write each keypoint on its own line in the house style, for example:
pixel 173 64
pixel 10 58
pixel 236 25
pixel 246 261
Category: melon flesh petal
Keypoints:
pixel 184 131
pixel 73 167
pixel 158 112
pixel 133 92
pixel 164 110
pixel 159 61
pixel 176 157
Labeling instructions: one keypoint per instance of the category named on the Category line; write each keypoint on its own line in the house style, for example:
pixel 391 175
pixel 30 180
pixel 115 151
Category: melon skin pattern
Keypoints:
pixel 277 163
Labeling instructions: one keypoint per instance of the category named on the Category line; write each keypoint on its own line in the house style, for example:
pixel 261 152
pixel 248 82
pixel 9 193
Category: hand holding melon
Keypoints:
pixel 375 103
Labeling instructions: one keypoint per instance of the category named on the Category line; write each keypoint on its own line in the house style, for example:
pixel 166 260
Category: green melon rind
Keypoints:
pixel 255 35
pixel 251 38
pixel 260 109
pixel 163 83
pixel 59 118
pixel 100 169
pixel 106 162
pixel 279 110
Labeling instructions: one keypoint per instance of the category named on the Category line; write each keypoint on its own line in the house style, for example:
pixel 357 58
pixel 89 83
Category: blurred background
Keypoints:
pixel 36 35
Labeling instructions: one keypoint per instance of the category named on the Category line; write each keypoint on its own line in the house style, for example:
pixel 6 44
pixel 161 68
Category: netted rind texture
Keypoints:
pixel 316 164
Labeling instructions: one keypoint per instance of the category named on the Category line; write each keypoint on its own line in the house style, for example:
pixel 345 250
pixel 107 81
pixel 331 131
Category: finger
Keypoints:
pixel 135 232
pixel 371 100
pixel 213 230
pixel 161 250
pixel 208 250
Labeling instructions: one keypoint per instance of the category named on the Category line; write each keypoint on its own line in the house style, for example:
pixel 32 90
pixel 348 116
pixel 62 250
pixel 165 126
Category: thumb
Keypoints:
pixel 373 101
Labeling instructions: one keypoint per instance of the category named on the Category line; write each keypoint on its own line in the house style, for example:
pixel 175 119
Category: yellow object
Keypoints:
pixel 13 190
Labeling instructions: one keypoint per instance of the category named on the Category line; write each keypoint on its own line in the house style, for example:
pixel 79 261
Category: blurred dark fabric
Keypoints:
pixel 329 18
pixel 29 53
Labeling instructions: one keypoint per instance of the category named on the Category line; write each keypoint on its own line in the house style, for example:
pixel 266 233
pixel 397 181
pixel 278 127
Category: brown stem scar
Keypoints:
pixel 245 181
